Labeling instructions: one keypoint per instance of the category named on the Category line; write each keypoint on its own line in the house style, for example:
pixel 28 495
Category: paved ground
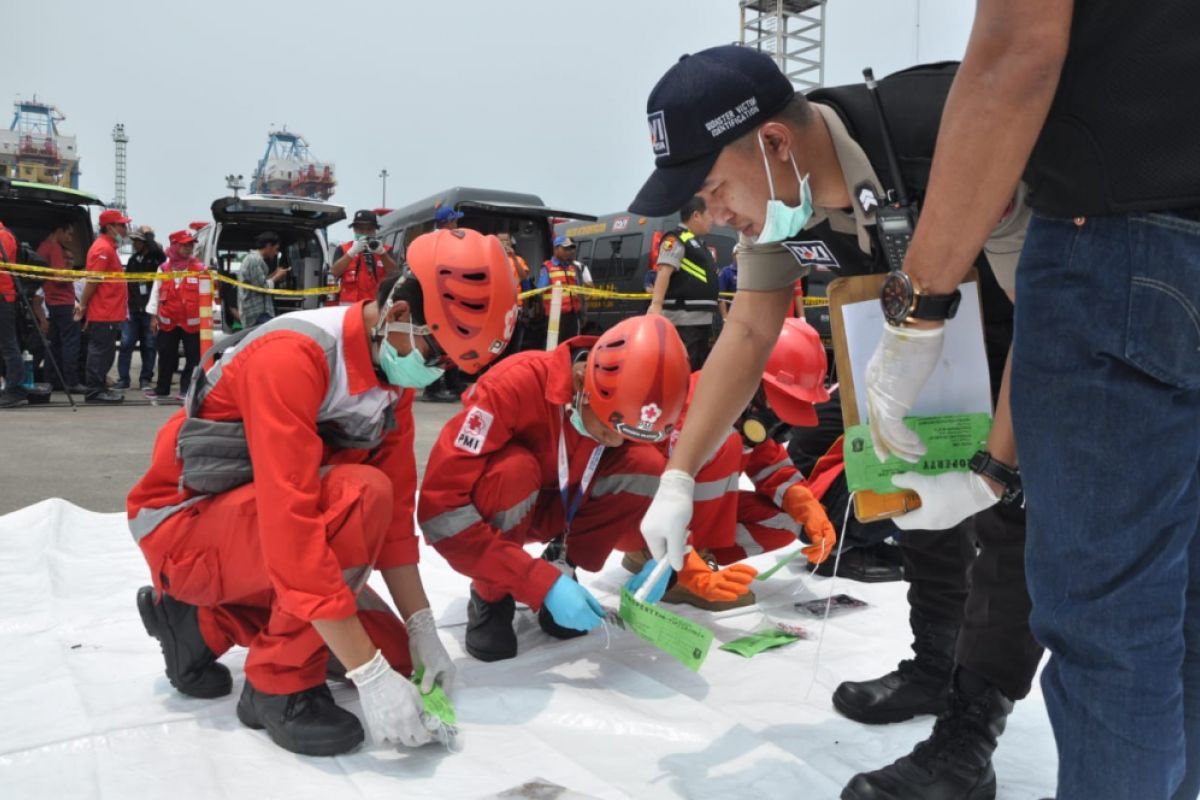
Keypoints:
pixel 93 455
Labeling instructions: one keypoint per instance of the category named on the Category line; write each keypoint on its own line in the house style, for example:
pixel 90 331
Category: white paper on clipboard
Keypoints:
pixel 959 385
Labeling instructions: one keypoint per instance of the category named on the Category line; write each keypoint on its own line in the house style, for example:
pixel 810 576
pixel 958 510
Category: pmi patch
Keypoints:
pixel 658 134
pixel 474 430
pixel 813 254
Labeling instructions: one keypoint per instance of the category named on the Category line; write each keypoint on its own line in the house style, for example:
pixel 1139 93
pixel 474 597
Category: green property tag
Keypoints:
pixel 951 440
pixel 755 643
pixel 780 564
pixel 436 702
pixel 671 633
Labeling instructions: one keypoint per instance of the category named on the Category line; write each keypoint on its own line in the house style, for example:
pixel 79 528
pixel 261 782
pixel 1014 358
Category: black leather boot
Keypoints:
pixel 871 564
pixel 954 763
pixel 490 634
pixel 919 685
pixel 192 667
pixel 307 722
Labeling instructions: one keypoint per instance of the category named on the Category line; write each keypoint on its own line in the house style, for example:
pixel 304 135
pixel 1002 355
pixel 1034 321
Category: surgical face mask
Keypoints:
pixel 577 423
pixel 784 221
pixel 407 372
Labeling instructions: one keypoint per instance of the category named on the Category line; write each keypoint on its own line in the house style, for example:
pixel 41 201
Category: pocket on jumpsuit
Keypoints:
pixel 193 577
pixel 1163 327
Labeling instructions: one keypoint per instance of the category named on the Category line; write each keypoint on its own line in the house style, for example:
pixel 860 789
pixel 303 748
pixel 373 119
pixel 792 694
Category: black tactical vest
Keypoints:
pixel 913 100
pixel 693 286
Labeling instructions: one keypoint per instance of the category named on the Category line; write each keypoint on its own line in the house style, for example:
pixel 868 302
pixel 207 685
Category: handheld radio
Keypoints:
pixel 897 219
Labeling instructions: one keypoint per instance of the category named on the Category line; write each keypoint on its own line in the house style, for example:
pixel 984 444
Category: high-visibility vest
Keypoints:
pixel 179 305
pixel 694 286
pixel 566 275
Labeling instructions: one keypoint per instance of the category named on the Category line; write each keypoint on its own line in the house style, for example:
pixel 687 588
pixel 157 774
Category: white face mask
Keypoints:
pixel 783 221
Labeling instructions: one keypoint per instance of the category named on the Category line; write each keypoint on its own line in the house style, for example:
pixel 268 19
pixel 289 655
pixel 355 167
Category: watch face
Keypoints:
pixel 896 297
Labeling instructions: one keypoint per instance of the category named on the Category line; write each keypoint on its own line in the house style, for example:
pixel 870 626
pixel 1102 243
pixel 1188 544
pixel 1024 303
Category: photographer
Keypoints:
pixel 363 262
pixel 258 307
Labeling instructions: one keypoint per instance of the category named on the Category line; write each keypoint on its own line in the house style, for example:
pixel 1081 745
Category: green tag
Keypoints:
pixel 951 440
pixel 755 643
pixel 671 633
pixel 780 564
pixel 436 702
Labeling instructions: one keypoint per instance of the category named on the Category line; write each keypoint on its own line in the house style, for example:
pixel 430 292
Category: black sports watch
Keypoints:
pixel 902 302
pixel 982 463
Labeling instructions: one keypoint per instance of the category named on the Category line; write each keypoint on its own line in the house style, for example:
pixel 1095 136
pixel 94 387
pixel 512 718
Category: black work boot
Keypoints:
pixel 192 667
pixel 917 686
pixel 954 763
pixel 307 722
pixel 490 634
pixel 871 564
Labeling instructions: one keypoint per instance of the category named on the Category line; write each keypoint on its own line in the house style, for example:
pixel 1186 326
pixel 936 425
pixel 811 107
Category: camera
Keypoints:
pixel 374 245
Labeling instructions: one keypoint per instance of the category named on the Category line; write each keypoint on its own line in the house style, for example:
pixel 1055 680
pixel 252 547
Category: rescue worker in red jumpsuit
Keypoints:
pixel 288 476
pixel 730 524
pixel 554 447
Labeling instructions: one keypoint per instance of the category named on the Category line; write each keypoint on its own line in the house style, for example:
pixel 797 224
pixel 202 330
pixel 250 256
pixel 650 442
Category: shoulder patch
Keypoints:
pixel 473 433
pixel 813 254
pixel 867 197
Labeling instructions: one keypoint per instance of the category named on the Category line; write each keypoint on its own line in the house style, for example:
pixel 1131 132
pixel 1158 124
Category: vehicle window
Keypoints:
pixel 584 255
pixel 616 257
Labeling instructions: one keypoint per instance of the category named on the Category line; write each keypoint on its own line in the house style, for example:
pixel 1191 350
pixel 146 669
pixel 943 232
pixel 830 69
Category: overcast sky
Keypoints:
pixel 533 96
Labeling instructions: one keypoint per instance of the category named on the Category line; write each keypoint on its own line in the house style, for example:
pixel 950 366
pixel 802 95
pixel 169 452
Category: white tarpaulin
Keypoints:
pixel 87 711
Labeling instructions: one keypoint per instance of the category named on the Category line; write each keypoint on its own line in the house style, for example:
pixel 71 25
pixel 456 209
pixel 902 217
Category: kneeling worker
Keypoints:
pixel 554 447
pixel 288 476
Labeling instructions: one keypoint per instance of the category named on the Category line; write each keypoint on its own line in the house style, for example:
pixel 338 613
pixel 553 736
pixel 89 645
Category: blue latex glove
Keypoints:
pixel 573 606
pixel 635 583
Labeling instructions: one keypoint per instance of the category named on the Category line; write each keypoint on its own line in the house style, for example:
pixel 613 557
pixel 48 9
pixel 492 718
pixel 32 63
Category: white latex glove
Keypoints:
pixel 946 499
pixel 356 248
pixel 665 525
pixel 427 651
pixel 391 704
pixel 903 361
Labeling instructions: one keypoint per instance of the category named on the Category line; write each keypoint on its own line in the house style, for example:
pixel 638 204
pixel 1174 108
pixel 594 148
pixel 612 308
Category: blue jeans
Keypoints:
pixel 133 330
pixel 1106 405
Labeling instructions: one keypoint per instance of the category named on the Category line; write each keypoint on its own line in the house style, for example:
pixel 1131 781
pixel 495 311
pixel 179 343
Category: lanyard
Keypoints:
pixel 571 507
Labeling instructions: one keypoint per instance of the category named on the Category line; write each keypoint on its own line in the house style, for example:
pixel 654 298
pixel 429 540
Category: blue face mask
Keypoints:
pixel 407 372
pixel 577 423
pixel 784 221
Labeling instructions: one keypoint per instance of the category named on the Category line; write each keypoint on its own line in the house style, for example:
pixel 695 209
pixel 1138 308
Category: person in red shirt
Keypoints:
pixel 730 524
pixel 60 305
pixel 174 309
pixel 10 348
pixel 105 307
pixel 288 476
pixel 552 446
pixel 364 262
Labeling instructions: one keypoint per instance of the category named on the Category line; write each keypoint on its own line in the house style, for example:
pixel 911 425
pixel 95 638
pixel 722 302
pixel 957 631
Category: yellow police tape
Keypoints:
pixel 92 276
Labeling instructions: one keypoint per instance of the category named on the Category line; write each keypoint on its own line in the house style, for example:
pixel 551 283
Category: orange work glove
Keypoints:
pixel 807 510
pixel 723 584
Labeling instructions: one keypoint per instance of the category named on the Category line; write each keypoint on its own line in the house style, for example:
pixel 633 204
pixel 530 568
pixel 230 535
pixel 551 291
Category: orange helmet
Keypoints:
pixel 636 379
pixel 470 296
pixel 795 376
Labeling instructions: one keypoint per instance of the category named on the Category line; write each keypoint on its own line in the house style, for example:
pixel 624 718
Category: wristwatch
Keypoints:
pixel 982 463
pixel 903 302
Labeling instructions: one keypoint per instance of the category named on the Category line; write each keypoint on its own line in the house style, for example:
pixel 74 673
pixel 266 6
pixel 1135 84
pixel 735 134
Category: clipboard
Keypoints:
pixel 868 506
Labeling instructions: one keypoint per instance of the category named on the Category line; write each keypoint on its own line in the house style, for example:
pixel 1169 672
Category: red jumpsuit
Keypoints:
pixel 491 483
pixel 733 523
pixel 332 497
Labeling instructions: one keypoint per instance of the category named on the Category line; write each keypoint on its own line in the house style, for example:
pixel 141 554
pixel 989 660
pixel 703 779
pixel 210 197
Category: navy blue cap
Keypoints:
pixel 704 102
pixel 446 213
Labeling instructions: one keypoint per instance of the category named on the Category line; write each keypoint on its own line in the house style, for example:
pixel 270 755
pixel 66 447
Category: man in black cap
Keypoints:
pixel 801 179
pixel 363 263
pixel 147 257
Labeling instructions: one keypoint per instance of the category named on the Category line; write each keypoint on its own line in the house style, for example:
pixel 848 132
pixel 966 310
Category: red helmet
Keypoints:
pixel 637 378
pixel 795 376
pixel 470 296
